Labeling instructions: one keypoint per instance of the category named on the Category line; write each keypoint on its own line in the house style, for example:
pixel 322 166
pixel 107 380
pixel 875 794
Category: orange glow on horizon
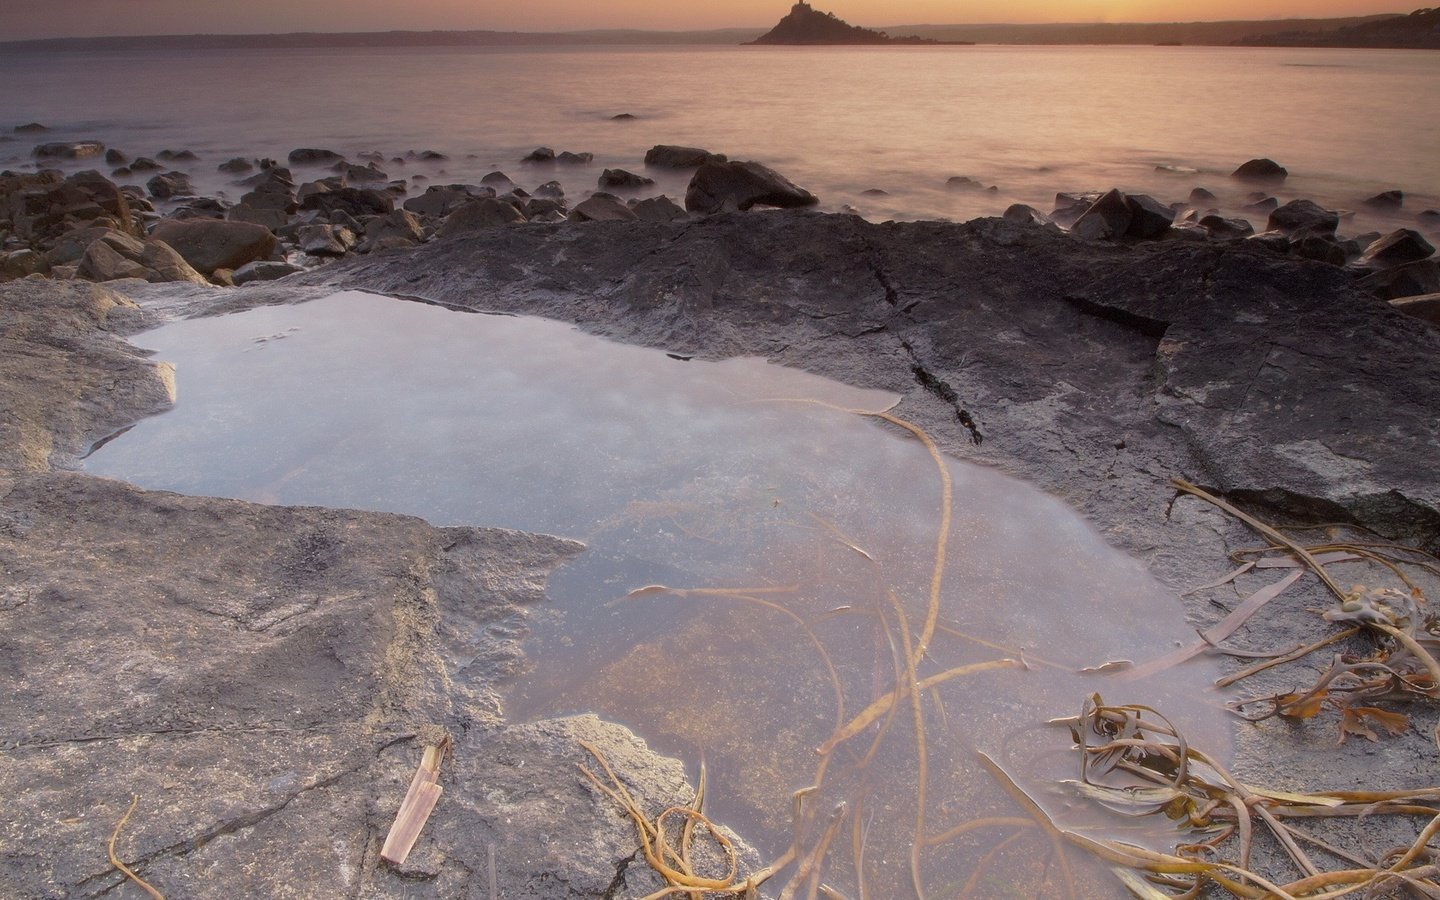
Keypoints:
pixel 22 19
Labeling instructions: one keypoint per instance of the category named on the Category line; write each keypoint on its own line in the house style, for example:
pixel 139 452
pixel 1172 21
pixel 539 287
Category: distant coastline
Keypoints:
pixel 1280 32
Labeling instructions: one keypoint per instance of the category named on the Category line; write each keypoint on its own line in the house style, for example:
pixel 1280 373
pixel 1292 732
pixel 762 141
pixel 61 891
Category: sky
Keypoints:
pixel 24 19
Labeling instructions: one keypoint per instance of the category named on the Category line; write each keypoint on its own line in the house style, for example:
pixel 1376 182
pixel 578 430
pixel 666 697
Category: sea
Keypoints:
pixel 874 131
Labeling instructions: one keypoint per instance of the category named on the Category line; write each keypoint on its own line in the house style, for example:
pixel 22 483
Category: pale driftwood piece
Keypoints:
pixel 415 810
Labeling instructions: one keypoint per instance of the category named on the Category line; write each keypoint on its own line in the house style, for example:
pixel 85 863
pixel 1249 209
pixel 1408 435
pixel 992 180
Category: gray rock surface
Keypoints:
pixel 731 186
pixel 210 244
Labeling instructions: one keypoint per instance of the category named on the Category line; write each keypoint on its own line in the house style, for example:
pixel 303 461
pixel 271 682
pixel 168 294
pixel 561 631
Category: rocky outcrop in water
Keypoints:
pixel 739 186
pixel 806 25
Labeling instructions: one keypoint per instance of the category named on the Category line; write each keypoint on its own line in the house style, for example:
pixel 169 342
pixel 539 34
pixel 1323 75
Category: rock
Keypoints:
pixel 1070 207
pixel 602 209
pixel 730 186
pixel 1226 229
pixel 442 200
pixel 1302 217
pixel 1262 207
pixel 355 201
pixel 486 212
pixel 1425 307
pixel 1318 247
pixel 575 159
pixel 263 270
pixel 115 255
pixel 307 156
pixel 498 181
pixel 209 244
pixel 875 192
pixel 537 207
pixel 176 156
pixel 273 219
pixel 1107 219
pixel 198 207
pixel 1407 280
pixel 551 190
pixel 1022 214
pixel 539 155
pixel 69 150
pixel 1263 170
pixel 46 210
pixel 275 178
pixel 670 156
pixel 1274 241
pixel 114 157
pixel 623 117
pixel 31 128
pixel 145 164
pixel 1396 248
pixel 274 196
pixel 1200 196
pixel 963 183
pixel 321 240
pixel 170 185
pixel 619 179
pixel 658 209
pixel 431 156
pixel 396 224
pixel 1429 217
pixel 22 262
pixel 1149 218
pixel 367 174
pixel 237 166
pixel 1386 200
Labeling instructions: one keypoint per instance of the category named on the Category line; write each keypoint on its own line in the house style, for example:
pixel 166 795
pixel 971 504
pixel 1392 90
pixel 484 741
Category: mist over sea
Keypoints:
pixel 839 121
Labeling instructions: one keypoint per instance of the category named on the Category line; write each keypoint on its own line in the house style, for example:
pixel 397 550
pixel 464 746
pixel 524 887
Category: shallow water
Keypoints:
pixel 796 522
pixel 840 120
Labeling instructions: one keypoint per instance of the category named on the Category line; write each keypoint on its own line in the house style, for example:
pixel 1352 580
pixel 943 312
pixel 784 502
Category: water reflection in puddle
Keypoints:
pixel 796 528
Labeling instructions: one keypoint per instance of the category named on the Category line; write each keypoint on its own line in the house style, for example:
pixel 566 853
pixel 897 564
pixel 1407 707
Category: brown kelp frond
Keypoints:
pixel 1135 761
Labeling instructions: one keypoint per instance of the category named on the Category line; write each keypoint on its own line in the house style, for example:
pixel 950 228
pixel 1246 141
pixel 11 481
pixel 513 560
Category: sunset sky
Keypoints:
pixel 21 19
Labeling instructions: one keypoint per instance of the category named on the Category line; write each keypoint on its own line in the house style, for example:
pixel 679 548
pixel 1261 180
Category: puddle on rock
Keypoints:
pixel 794 529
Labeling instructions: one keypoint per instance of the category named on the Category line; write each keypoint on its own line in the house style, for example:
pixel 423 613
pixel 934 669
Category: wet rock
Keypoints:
pixel 602 209
pixel 309 156
pixel 202 207
pixel 69 150
pixel 671 156
pixel 1201 197
pixel 539 155
pixel 1302 217
pixel 144 164
pixel 273 219
pixel 209 244
pixel 367 174
pixel 398 227
pixel 263 270
pixel 355 201
pixel 177 156
pixel 1070 207
pixel 237 166
pixel 1261 170
pixel 41 209
pixel 442 200
pixel 276 178
pixel 1319 247
pixel 1274 241
pixel 114 157
pixel 963 183
pixel 1386 200
pixel 497 181
pixel 551 190
pixel 170 185
pixel 542 208
pixel 1149 218
pixel 22 262
pixel 272 196
pixel 31 128
pixel 486 212
pixel 1023 214
pixel 1227 229
pixel 1107 219
pixel 113 256
pixel 575 159
pixel 1407 280
pixel 730 186
pixel 1396 248
pixel 658 209
pixel 431 156
pixel 619 179
pixel 624 117
pixel 1425 307
pixel 321 240
pixel 1429 217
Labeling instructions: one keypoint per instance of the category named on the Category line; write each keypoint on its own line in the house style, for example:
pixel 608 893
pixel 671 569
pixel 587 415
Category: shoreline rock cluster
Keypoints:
pixel 291 218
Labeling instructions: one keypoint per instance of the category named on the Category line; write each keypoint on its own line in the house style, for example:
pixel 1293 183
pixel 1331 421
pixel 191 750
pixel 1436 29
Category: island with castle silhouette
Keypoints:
pixel 807 26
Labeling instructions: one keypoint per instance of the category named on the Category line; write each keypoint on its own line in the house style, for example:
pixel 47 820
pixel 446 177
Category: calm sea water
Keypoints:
pixel 840 121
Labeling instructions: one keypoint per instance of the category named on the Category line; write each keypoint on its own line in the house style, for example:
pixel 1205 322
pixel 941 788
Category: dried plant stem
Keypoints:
pixel 115 860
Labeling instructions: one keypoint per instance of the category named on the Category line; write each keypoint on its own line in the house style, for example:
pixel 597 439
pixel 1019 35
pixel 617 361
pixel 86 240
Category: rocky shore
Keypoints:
pixel 265 678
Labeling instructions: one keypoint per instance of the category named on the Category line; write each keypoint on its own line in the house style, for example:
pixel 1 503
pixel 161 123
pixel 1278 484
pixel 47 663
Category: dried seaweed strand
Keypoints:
pixel 115 860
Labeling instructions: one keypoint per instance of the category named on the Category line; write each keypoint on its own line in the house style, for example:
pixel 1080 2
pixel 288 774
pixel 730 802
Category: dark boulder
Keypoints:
pixel 69 150
pixel 237 166
pixel 1302 217
pixel 145 164
pixel 114 157
pixel 670 156
pixel 308 156
pixel 1386 200
pixel 1022 214
pixel 575 159
pixel 1407 280
pixel 487 212
pixel 963 183
pixel 1265 170
pixel 1069 207
pixel 177 156
pixel 498 180
pixel 539 155
pixel 552 190
pixel 1397 248
pixel 264 270
pixel 31 128
pixel 355 201
pixel 1226 229
pixel 1200 196
pixel 1107 219
pixel 209 244
pixel 1262 207
pixel 1149 218
pixel 619 179
pixel 272 197
pixel 443 199
pixel 1425 306
pixel 170 185
pixel 324 240
pixel 1319 247
pixel 729 186
pixel 602 209
pixel 367 174
pixel 658 209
